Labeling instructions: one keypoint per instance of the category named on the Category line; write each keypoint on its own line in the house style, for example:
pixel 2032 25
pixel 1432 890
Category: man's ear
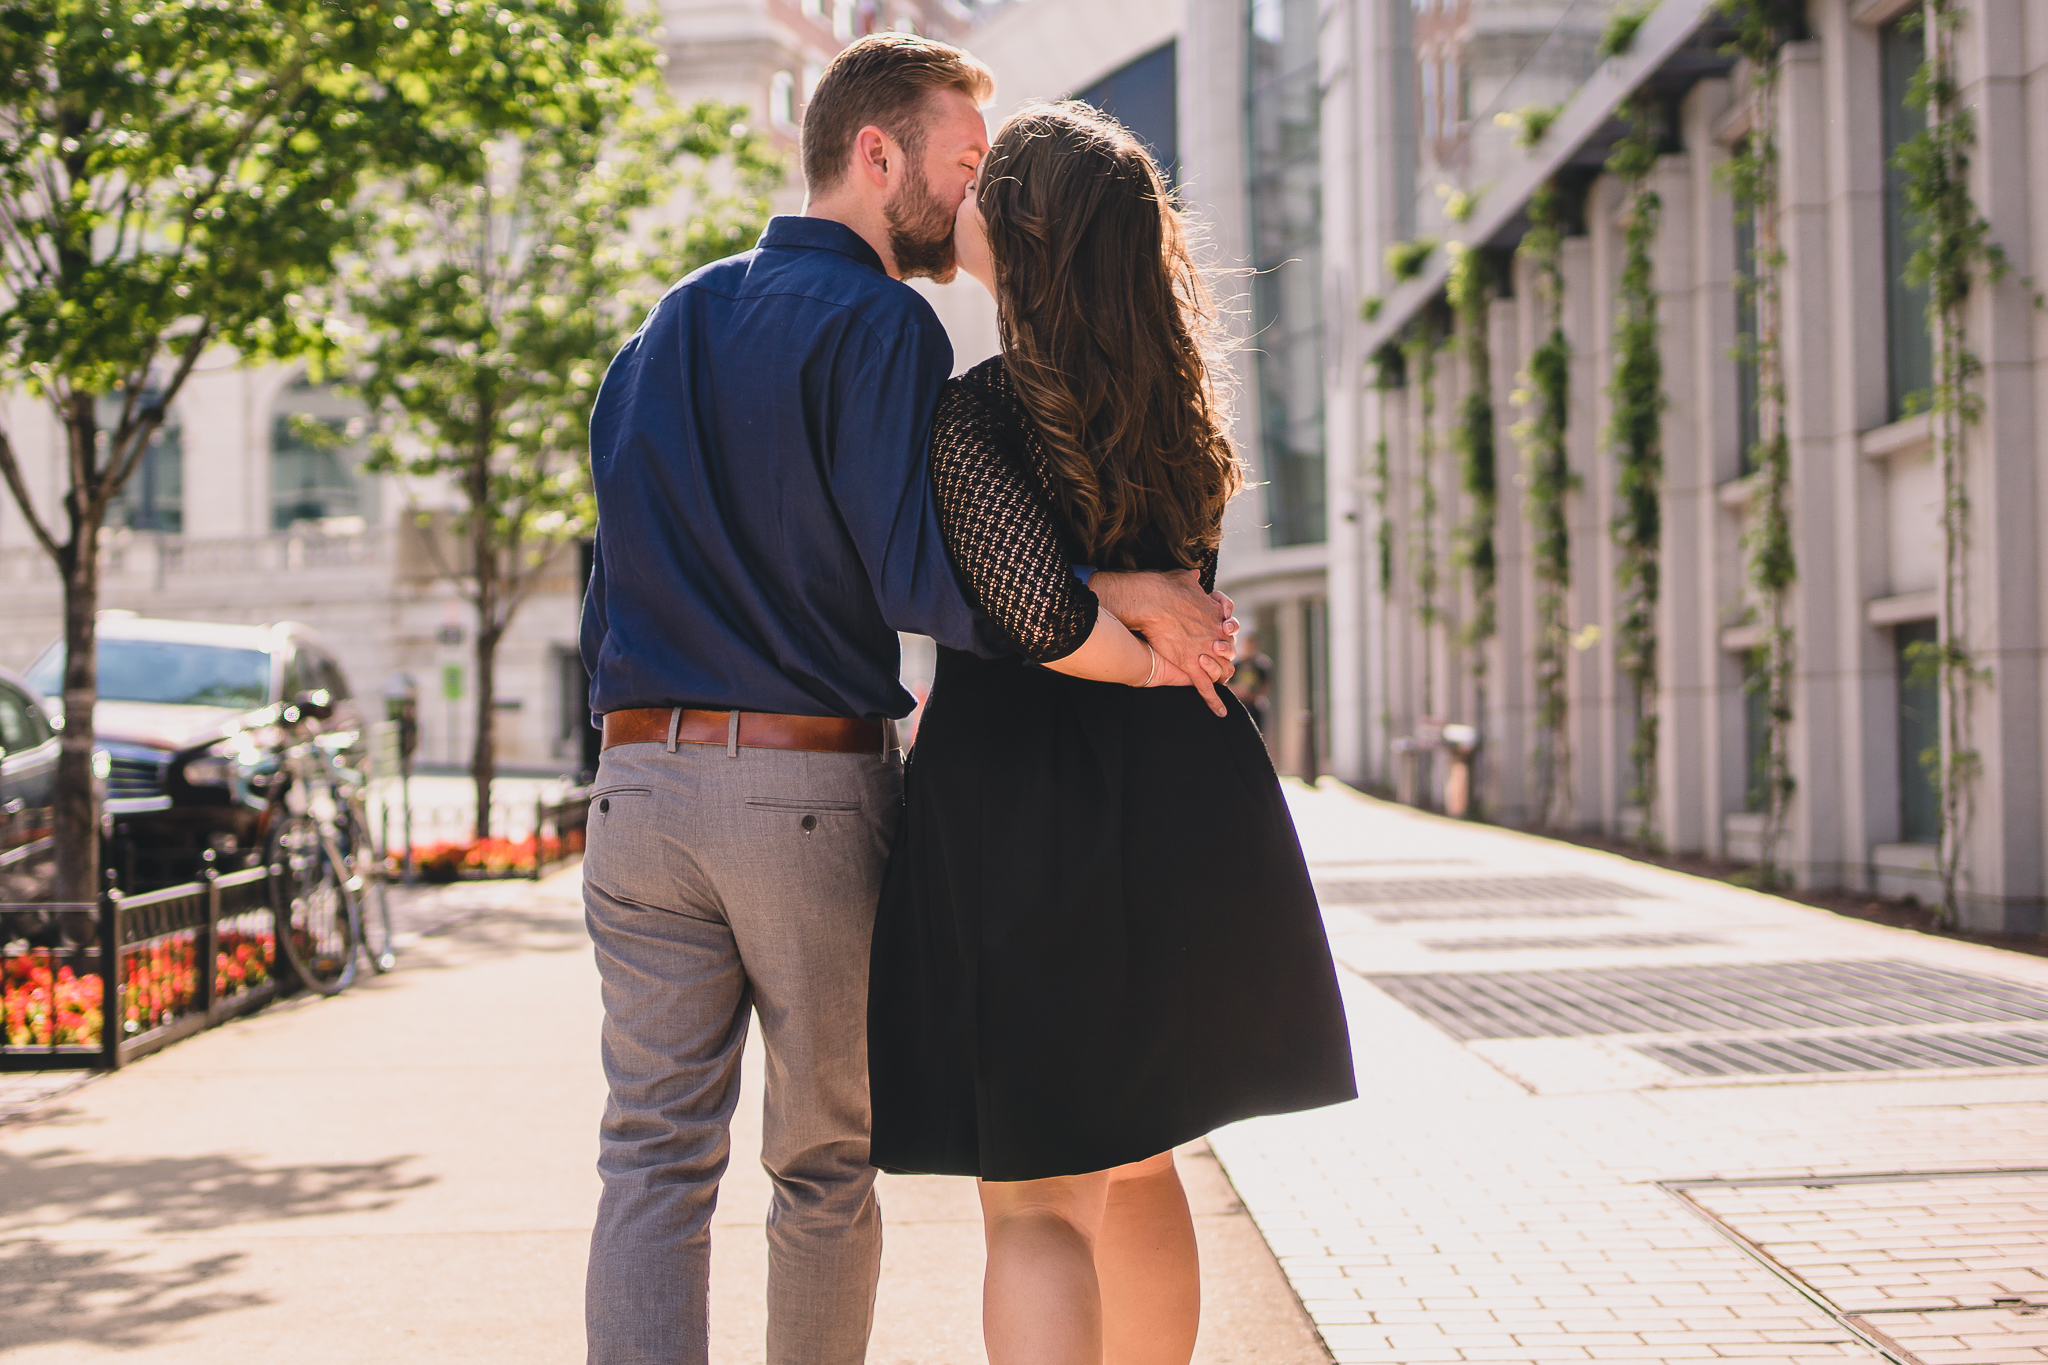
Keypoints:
pixel 874 152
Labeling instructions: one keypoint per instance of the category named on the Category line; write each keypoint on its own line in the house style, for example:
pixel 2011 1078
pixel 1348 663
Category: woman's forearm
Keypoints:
pixel 1109 654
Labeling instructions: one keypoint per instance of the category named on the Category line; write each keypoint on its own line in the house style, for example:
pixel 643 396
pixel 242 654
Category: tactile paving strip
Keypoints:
pixel 1400 890
pixel 1509 945
pixel 1577 1003
pixel 1927 1267
pixel 1838 1053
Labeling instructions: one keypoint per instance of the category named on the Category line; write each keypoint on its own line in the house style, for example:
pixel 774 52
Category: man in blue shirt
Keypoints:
pixel 759 456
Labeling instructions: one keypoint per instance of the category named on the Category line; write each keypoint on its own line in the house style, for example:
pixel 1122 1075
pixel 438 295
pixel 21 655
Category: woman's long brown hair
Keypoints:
pixel 1107 326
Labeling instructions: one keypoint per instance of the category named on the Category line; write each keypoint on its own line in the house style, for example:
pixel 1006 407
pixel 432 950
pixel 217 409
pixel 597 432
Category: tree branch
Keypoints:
pixel 10 468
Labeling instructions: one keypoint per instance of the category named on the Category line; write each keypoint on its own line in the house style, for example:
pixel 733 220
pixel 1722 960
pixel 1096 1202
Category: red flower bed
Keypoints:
pixel 159 982
pixel 447 862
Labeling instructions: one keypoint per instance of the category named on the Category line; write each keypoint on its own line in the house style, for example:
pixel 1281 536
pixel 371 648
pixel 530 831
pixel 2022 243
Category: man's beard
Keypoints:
pixel 920 231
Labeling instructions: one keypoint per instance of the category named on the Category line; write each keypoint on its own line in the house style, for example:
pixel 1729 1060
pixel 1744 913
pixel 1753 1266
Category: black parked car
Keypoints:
pixel 189 729
pixel 28 778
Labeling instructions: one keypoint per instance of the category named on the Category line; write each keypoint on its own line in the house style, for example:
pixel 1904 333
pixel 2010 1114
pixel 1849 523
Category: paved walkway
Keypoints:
pixel 1596 1121
pixel 405 1173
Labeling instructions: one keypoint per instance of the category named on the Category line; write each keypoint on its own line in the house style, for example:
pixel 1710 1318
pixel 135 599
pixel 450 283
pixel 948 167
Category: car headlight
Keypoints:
pixel 211 770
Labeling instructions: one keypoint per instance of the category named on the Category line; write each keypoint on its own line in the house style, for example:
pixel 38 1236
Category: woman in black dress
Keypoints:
pixel 1097 938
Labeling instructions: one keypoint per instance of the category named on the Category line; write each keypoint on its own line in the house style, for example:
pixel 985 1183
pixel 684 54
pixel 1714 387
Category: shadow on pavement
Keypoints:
pixel 53 1293
pixel 497 931
pixel 171 1195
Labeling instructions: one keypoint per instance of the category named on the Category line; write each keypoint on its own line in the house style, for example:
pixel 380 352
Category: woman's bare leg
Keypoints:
pixel 1041 1304
pixel 1147 1267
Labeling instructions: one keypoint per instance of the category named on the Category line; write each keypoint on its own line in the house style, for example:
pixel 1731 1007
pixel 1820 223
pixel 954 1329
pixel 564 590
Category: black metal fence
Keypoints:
pixel 570 818
pixel 98 985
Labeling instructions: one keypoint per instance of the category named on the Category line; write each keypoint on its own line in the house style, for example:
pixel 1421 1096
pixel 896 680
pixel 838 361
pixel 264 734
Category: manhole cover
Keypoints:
pixel 1885 1052
pixel 1397 890
pixel 1445 914
pixel 1747 997
pixel 1926 1267
pixel 1508 945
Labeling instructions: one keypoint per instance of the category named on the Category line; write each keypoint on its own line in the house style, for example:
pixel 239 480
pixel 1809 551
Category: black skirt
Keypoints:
pixel 1097 939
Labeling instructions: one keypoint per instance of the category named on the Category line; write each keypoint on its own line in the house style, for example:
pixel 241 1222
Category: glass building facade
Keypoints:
pixel 1284 144
pixel 1143 95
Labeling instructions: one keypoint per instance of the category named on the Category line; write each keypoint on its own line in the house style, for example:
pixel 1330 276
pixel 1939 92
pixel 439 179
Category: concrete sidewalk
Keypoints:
pixel 406 1173
pixel 1613 1112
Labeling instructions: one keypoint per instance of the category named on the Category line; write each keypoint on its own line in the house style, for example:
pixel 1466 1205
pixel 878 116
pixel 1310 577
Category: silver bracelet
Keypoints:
pixel 1153 672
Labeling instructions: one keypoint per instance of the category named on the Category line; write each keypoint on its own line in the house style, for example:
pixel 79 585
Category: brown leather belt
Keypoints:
pixel 757 730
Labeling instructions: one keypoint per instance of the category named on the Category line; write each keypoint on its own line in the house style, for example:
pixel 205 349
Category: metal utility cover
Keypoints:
pixel 1925 1267
pixel 1401 890
pixel 1708 999
pixel 1827 1053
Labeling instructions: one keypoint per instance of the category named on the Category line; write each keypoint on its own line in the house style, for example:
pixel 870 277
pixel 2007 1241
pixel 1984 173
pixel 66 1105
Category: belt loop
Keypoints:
pixel 889 739
pixel 732 735
pixel 675 722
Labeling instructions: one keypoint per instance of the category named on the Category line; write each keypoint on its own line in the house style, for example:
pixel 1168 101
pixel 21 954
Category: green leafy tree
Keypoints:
pixel 174 176
pixel 1470 295
pixel 493 305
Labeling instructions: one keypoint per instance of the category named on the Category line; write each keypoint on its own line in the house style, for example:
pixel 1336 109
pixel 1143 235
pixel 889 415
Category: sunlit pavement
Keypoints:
pixel 406 1172
pixel 1598 1127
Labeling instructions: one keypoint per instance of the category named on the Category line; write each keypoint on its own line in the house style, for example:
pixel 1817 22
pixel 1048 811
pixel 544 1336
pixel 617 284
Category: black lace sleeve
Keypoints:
pixel 1001 533
pixel 1209 570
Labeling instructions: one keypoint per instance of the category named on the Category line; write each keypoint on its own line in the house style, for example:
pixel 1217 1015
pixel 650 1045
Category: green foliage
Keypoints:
pixel 1545 395
pixel 176 175
pixel 1636 434
pixel 1406 259
pixel 1369 308
pixel 1477 465
pixel 1420 348
pixel 1459 205
pixel 1529 123
pixel 1751 175
pixel 1622 26
pixel 1954 251
pixel 490 308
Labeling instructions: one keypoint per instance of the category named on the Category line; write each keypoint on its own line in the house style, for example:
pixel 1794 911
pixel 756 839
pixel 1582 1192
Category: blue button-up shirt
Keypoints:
pixel 765 519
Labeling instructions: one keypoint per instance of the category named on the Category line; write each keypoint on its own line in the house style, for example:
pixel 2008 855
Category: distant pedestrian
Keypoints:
pixel 1253 680
pixel 1097 938
pixel 766 527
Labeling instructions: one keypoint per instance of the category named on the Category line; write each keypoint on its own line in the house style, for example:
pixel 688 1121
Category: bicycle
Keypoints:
pixel 331 899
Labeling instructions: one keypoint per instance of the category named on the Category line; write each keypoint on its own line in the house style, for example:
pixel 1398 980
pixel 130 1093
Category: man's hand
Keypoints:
pixel 1190 628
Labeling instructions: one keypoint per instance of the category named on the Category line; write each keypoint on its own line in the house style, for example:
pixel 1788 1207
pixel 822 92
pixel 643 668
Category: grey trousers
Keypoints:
pixel 715 883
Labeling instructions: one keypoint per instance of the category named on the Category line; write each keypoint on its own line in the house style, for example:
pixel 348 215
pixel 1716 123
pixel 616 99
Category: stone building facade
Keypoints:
pixel 1865 493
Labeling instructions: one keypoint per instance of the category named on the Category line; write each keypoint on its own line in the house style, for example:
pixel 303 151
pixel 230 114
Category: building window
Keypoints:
pixel 1285 150
pixel 1909 350
pixel 1143 95
pixel 813 73
pixel 1430 130
pixel 842 20
pixel 318 442
pixel 1464 93
pixel 1919 733
pixel 782 99
pixel 814 9
pixel 153 499
pixel 1748 400
pixel 1756 732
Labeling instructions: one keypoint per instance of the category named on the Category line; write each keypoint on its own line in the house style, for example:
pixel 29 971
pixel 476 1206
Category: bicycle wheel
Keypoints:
pixel 373 903
pixel 316 916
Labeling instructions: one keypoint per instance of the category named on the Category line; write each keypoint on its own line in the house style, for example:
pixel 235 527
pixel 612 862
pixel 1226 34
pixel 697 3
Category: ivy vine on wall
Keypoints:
pixel 1955 250
pixel 1636 434
pixel 1545 396
pixel 1761 29
pixel 1470 293
pixel 1387 376
pixel 1425 339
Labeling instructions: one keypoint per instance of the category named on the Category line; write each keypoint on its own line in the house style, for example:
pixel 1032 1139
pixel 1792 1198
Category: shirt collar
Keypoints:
pixel 820 234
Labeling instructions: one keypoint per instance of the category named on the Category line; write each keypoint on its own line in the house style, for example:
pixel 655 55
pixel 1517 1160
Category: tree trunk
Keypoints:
pixel 483 550
pixel 77 819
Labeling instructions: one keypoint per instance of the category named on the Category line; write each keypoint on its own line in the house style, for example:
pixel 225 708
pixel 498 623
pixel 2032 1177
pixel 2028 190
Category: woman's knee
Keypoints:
pixel 1076 1200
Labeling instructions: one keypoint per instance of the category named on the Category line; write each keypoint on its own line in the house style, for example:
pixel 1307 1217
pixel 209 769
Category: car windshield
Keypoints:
pixel 167 671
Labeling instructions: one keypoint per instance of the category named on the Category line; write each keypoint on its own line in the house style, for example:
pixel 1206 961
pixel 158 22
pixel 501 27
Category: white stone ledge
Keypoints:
pixel 1899 608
